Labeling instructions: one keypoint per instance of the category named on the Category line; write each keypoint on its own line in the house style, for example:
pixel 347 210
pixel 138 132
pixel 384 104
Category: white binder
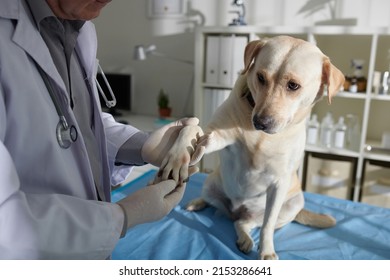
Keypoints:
pixel 239 44
pixel 225 74
pixel 212 60
pixel 224 59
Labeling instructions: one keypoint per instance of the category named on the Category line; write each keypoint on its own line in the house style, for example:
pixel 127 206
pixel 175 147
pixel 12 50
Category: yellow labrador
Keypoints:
pixel 259 132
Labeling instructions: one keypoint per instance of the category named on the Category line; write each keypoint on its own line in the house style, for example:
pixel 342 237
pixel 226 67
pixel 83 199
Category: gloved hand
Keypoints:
pixel 151 203
pixel 181 155
pixel 160 141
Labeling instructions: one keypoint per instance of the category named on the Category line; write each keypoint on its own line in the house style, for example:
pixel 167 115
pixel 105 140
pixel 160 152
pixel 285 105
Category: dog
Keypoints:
pixel 260 133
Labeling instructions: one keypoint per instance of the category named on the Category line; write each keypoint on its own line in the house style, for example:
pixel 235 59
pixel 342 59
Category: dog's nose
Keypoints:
pixel 264 123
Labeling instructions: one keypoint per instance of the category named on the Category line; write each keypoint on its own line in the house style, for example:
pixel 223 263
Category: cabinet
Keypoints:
pixel 372 111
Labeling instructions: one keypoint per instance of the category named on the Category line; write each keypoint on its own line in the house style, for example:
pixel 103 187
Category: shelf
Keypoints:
pixel 376 152
pixel 317 30
pixel 347 94
pixel 380 97
pixel 377 156
pixel 332 151
pixel 217 86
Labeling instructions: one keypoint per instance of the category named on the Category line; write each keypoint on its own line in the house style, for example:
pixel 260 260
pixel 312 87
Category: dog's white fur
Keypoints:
pixel 259 132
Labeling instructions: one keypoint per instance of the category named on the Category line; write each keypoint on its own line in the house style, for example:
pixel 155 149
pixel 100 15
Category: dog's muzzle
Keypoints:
pixel 264 123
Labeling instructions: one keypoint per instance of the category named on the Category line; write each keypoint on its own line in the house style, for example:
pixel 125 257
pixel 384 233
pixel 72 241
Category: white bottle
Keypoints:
pixel 326 132
pixel 353 87
pixel 352 137
pixel 312 130
pixel 339 134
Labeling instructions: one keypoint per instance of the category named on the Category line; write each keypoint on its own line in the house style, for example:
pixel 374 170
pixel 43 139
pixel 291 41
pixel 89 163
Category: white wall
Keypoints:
pixel 124 24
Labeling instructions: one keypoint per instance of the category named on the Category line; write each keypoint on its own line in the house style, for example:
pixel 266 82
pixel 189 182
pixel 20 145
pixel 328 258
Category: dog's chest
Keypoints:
pixel 250 165
pixel 256 153
pixel 247 172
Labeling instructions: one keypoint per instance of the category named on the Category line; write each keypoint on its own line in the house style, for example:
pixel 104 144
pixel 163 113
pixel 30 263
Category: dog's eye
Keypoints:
pixel 293 86
pixel 261 78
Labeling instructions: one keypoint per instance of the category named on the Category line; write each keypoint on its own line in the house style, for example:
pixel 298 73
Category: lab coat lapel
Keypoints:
pixel 29 39
pixel 86 48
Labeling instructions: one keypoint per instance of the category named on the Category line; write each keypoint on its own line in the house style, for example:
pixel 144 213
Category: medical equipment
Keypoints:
pixel 66 134
pixel 109 103
pixel 240 20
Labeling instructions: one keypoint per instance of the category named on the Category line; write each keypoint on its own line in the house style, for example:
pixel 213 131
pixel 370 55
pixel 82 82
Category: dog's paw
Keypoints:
pixel 196 205
pixel 268 256
pixel 245 243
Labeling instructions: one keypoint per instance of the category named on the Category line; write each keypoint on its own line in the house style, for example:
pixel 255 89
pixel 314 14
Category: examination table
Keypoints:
pixel 362 232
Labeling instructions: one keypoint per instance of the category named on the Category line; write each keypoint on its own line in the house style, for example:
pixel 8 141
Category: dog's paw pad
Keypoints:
pixel 245 244
pixel 196 205
pixel 272 256
pixel 191 207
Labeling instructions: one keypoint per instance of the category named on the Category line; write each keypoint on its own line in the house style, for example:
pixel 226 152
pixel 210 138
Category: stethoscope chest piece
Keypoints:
pixel 65 135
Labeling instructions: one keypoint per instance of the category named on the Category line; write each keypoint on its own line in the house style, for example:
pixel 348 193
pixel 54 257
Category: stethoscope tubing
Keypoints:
pixel 109 103
pixel 54 98
pixel 66 134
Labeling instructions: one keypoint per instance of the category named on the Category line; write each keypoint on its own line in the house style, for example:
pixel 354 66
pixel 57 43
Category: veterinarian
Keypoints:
pixel 59 154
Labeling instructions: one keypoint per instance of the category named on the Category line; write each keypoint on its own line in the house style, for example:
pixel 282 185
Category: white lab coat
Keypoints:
pixel 48 206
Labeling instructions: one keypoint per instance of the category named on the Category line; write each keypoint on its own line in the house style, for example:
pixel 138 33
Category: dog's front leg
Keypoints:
pixel 275 199
pixel 215 140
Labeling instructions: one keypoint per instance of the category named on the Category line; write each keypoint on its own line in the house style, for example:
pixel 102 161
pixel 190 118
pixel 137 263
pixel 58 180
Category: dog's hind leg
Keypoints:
pixel 213 195
pixel 290 210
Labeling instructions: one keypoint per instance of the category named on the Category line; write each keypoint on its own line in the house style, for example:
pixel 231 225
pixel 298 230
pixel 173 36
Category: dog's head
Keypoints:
pixel 285 77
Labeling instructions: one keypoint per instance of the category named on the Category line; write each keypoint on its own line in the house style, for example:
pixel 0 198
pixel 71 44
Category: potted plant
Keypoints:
pixel 163 104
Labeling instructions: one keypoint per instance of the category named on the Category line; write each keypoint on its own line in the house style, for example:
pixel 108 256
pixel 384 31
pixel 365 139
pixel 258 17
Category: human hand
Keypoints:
pixel 151 203
pixel 160 141
pixel 179 160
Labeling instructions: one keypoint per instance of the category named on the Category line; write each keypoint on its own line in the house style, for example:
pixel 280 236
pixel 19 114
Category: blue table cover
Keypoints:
pixel 362 232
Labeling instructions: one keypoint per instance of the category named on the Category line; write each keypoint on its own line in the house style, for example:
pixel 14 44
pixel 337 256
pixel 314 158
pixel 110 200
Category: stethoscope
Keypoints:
pixel 67 134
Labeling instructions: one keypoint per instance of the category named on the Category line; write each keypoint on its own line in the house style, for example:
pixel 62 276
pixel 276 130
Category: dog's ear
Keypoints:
pixel 251 51
pixel 332 77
